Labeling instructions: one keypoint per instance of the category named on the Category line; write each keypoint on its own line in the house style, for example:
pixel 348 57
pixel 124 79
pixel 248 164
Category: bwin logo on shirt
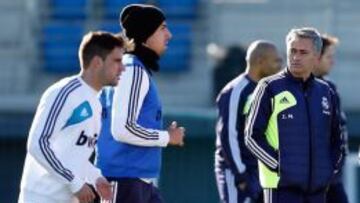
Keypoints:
pixel 86 140
pixel 80 113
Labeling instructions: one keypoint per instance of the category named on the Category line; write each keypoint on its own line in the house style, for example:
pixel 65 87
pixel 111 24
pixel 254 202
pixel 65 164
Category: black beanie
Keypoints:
pixel 140 21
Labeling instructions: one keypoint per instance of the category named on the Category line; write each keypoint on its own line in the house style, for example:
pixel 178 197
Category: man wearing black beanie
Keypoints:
pixel 140 23
pixel 129 147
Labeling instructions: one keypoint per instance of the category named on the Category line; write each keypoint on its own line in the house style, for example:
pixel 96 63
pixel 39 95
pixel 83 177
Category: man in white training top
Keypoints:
pixel 66 125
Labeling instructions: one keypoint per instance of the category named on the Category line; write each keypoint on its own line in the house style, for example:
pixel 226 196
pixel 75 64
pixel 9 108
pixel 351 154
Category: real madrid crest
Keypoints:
pixel 325 105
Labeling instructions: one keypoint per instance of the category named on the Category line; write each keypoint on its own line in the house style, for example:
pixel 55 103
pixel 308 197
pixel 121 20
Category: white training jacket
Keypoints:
pixel 129 97
pixel 62 139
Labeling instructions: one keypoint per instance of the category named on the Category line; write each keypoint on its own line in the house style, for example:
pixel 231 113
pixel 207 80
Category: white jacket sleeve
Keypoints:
pixel 44 131
pixel 92 174
pixel 128 100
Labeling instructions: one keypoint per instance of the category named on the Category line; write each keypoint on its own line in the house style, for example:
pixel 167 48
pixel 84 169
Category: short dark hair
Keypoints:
pixel 327 41
pixel 98 43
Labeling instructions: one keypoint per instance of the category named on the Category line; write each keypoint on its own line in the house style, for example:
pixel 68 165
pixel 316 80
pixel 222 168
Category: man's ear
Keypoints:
pixel 260 61
pixel 317 59
pixel 97 61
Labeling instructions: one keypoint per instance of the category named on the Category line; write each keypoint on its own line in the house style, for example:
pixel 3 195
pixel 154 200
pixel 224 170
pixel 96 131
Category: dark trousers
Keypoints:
pixel 286 195
pixel 230 193
pixel 134 190
pixel 336 194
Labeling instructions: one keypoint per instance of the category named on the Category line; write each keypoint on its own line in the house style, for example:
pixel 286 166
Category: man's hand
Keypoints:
pixel 85 194
pixel 103 187
pixel 242 186
pixel 176 134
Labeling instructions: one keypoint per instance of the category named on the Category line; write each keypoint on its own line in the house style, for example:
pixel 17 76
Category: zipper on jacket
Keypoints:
pixel 310 136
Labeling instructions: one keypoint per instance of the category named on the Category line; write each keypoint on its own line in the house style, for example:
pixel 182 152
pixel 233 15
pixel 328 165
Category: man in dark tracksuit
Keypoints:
pixel 336 192
pixel 235 167
pixel 293 127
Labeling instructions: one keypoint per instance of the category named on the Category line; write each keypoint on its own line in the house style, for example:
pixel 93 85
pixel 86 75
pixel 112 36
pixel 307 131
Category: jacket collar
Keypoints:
pixel 148 57
pixel 295 79
pixel 305 84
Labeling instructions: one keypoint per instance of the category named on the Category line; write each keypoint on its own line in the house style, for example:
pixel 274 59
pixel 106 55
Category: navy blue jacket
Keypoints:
pixel 293 129
pixel 343 125
pixel 231 152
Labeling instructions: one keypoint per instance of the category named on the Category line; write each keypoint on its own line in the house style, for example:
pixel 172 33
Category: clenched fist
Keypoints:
pixel 104 189
pixel 176 134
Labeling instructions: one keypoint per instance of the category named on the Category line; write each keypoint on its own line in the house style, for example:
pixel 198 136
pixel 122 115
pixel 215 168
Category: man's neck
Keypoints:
pixel 253 74
pixel 319 75
pixel 302 77
pixel 90 79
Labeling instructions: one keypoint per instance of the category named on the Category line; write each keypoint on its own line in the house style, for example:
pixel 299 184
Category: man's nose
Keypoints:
pixel 295 56
pixel 122 68
pixel 169 34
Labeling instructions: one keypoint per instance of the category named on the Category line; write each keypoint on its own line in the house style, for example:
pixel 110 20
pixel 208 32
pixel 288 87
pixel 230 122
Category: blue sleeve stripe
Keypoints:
pixel 131 121
pixel 261 154
pixel 233 134
pixel 150 135
pixel 133 104
pixel 253 146
pixel 49 129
